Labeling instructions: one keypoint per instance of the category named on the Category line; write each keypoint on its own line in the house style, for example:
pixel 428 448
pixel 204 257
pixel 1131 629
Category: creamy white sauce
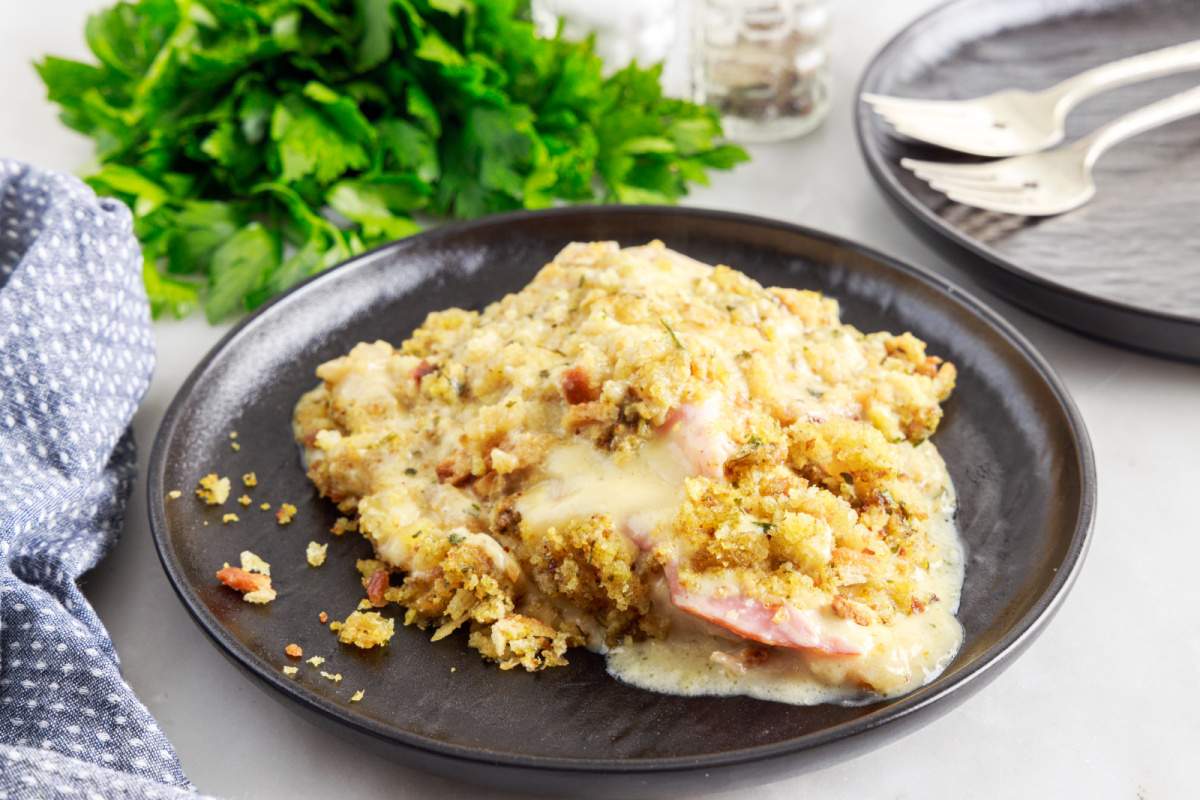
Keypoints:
pixel 637 492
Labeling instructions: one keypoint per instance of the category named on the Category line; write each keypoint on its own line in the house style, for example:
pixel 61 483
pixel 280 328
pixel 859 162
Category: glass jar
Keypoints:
pixel 763 64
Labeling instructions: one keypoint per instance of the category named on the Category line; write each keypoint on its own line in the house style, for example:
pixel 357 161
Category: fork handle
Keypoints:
pixel 1169 109
pixel 1178 58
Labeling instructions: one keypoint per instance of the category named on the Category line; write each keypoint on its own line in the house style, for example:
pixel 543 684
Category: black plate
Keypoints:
pixel 1014 442
pixel 1124 268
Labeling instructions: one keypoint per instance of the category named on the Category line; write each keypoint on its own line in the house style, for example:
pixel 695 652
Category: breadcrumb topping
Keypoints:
pixel 315 554
pixel 213 489
pixel 365 629
pixel 250 480
pixel 285 514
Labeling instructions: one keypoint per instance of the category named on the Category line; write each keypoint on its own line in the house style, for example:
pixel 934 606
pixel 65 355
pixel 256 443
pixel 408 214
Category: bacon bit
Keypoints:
pixel 255 587
pixel 577 386
pixel 294 650
pixel 454 471
pixel 242 580
pixel 422 369
pixel 323 617
pixel 918 606
pixel 376 586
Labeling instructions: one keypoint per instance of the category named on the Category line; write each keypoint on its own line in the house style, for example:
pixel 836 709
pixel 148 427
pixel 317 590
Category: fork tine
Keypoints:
pixel 908 105
pixel 935 169
pixel 1021 202
pixel 1000 190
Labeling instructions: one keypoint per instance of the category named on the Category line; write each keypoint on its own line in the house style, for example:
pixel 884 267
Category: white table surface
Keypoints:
pixel 1102 705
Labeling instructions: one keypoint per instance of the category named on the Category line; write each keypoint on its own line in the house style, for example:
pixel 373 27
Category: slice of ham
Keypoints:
pixel 693 428
pixel 779 625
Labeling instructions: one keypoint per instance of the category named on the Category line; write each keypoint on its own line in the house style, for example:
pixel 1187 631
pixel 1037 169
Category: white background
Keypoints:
pixel 1104 704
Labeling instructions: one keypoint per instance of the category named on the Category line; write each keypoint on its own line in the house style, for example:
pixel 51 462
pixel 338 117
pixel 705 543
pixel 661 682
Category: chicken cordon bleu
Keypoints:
pixel 719 486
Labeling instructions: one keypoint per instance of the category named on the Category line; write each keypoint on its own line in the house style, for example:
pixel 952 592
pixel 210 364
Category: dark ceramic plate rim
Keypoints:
pixel 995 657
pixel 865 117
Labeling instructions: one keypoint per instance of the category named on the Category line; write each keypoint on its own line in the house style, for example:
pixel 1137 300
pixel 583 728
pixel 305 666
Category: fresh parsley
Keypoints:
pixel 261 141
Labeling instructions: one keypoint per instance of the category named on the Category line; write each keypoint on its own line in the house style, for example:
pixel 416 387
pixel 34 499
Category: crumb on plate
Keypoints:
pixel 250 480
pixel 213 489
pixel 294 650
pixel 315 554
pixel 365 629
pixel 285 513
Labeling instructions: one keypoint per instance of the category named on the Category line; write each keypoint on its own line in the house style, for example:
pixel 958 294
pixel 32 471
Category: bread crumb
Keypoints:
pixel 366 629
pixel 316 661
pixel 323 617
pixel 335 677
pixel 206 523
pixel 252 563
pixel 228 518
pixel 342 525
pixel 454 669
pixel 244 499
pixel 285 513
pixel 174 494
pixel 212 489
pixel 250 480
pixel 234 446
pixel 290 671
pixel 233 434
pixel 315 553
pixel 354 698
pixel 294 650
pixel 265 506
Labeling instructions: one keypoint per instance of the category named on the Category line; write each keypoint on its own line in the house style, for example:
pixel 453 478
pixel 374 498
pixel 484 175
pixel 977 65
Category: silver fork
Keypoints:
pixel 1053 181
pixel 1014 122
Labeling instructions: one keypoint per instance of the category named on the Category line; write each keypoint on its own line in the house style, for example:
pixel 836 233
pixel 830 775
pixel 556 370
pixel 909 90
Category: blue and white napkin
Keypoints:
pixel 76 354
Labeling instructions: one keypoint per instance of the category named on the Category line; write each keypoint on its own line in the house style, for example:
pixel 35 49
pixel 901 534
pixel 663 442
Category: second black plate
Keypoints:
pixel 1125 267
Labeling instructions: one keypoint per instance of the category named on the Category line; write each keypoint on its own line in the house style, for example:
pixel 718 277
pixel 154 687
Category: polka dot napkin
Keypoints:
pixel 75 357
